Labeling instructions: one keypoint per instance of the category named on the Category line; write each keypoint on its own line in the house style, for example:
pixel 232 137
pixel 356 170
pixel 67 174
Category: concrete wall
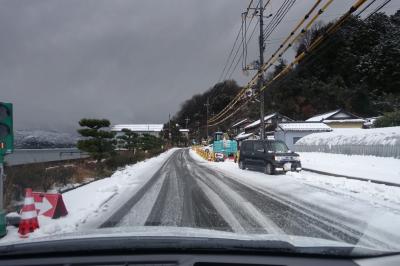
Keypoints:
pixel 289 137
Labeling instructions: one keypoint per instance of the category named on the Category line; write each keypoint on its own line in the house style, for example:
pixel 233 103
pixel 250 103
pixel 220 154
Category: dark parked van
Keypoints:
pixel 272 156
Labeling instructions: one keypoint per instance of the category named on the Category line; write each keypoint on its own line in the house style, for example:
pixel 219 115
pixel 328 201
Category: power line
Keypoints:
pixel 241 93
pixel 378 8
pixel 237 50
pixel 316 43
pixel 279 16
pixel 278 53
pixel 253 80
pixel 333 28
pixel 239 59
pixel 234 44
pixel 365 8
pixel 230 53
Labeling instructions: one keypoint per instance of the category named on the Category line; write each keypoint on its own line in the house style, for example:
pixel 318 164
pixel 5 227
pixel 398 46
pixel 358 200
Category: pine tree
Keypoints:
pixel 99 143
pixel 129 140
pixel 149 142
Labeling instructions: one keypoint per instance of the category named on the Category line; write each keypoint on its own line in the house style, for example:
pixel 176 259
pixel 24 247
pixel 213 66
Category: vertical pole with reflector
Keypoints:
pixel 6 147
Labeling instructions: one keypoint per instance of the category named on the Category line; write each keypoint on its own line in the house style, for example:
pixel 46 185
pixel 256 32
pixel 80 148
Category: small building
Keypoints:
pixel 339 119
pixel 291 132
pixel 151 129
pixel 271 121
pixel 243 136
pixel 238 126
pixel 184 132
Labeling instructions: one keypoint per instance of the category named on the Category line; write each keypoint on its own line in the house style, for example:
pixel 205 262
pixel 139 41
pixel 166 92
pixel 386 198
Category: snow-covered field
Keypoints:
pixel 354 136
pixel 369 167
pixel 90 205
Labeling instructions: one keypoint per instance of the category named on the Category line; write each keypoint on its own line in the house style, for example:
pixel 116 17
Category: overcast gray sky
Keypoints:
pixel 131 61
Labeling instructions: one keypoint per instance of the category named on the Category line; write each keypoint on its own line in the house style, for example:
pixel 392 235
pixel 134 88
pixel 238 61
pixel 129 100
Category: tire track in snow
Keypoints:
pixel 294 218
pixel 139 213
pixel 120 213
pixel 326 220
pixel 248 216
pixel 191 194
pixel 167 210
pixel 182 202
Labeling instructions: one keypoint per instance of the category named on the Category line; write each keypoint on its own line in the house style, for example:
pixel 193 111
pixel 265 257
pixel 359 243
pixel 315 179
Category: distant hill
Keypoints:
pixel 41 139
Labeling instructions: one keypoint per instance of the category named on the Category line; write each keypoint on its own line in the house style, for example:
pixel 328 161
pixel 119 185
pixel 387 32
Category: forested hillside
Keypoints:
pixel 194 109
pixel 358 69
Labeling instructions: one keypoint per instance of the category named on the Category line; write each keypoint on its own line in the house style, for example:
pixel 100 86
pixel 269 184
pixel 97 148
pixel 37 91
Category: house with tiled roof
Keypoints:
pixel 339 119
pixel 270 120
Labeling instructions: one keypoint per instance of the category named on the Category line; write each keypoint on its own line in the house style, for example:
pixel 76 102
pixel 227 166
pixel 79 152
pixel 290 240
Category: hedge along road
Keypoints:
pixel 186 193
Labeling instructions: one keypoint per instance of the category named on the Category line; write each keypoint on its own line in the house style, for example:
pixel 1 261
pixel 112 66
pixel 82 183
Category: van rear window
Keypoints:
pixel 277 146
pixel 247 146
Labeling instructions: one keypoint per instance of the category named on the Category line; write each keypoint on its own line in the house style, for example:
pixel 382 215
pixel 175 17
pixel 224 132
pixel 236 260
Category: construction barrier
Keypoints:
pixel 205 154
pixel 29 221
pixel 50 204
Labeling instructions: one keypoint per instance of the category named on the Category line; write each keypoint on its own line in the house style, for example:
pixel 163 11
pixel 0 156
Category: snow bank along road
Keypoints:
pixel 189 192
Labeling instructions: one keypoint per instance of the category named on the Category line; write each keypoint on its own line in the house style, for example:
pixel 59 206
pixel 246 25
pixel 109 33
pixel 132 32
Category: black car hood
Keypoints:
pixel 178 239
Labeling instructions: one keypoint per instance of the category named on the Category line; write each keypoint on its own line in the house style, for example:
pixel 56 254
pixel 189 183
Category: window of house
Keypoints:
pixel 295 139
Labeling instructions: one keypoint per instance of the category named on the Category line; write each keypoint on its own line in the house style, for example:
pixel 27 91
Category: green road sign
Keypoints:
pixel 6 128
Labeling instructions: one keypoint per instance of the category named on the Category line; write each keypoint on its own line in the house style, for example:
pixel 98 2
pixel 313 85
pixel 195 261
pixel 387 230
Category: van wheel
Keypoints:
pixel 242 165
pixel 269 169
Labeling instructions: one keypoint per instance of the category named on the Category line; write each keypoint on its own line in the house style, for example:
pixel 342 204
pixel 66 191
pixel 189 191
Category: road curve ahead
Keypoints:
pixel 186 193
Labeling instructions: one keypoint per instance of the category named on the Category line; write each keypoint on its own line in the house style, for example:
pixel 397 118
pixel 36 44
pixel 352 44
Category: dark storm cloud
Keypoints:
pixel 129 61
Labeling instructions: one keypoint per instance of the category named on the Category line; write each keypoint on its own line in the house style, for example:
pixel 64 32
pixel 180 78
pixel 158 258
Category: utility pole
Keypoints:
pixel 169 127
pixel 187 121
pixel 260 73
pixel 198 131
pixel 259 10
pixel 207 105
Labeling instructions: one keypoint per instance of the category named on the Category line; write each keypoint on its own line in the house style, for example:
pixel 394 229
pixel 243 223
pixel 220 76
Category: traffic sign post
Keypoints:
pixel 6 147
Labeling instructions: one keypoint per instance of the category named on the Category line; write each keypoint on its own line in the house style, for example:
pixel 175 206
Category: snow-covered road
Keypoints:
pixel 190 192
pixel 179 188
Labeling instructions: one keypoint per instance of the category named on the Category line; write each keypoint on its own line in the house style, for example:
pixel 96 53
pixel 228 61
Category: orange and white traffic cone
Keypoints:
pixel 29 221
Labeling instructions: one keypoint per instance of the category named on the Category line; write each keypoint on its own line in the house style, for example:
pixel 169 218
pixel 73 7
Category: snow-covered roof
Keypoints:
pixel 304 126
pixel 240 122
pixel 243 136
pixel 344 120
pixel 338 115
pixel 139 127
pixel 257 122
pixel 354 136
pixel 321 117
